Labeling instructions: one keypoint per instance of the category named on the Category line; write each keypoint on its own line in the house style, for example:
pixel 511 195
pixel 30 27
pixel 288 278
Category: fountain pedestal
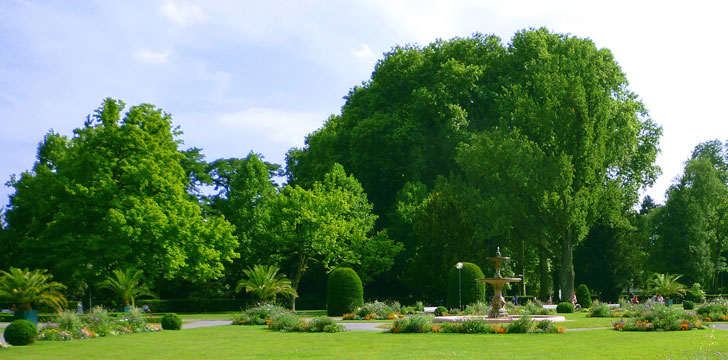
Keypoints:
pixel 498 303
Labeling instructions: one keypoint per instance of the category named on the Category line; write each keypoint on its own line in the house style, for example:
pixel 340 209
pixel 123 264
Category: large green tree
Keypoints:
pixel 565 97
pixel 330 223
pixel 572 100
pixel 115 196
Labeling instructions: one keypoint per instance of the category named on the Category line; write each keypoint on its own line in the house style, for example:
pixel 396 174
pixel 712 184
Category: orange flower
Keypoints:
pixel 390 317
pixel 684 327
pixel 400 316
pixel 501 330
pixel 562 330
pixel 396 330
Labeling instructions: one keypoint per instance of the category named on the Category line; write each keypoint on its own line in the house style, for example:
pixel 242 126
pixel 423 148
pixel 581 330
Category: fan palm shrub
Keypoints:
pixel 266 283
pixel 25 288
pixel 126 285
pixel 666 285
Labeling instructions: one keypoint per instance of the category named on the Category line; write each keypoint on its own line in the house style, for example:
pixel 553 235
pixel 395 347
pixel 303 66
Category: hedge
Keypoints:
pixel 195 306
pixel 344 292
pixel 472 291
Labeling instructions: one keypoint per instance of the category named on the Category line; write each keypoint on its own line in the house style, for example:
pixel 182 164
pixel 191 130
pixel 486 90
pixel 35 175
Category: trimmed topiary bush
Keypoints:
pixel 472 291
pixel 565 308
pixel 171 322
pixel 344 292
pixel 688 305
pixel 21 332
pixel 583 296
pixel 440 311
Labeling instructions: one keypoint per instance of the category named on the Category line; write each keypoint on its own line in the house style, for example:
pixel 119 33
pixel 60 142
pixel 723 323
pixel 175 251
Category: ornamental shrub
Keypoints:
pixel 21 332
pixel 472 291
pixel 688 305
pixel 565 308
pixel 440 311
pixel 600 309
pixel 344 292
pixel 171 322
pixel 583 296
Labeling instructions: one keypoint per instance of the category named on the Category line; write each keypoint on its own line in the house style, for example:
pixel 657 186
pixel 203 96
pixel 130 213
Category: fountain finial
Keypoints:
pixel 497 252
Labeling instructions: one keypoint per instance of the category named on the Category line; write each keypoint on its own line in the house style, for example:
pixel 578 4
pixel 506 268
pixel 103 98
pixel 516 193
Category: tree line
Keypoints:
pixel 449 151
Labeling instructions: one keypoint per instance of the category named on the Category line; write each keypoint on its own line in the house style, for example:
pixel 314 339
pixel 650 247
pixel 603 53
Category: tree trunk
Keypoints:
pixel 567 265
pixel 543 291
pixel 522 266
pixel 297 279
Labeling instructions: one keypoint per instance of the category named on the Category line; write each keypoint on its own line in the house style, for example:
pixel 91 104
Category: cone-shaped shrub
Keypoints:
pixel 472 291
pixel 583 296
pixel 344 292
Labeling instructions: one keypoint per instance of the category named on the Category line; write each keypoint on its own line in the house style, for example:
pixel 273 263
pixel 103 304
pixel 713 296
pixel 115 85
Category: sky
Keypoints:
pixel 242 76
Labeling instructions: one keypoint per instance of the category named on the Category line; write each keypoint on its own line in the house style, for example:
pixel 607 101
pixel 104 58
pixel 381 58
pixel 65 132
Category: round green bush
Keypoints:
pixel 583 296
pixel 688 305
pixel 565 308
pixel 440 311
pixel 21 332
pixel 171 322
pixel 472 291
pixel 344 292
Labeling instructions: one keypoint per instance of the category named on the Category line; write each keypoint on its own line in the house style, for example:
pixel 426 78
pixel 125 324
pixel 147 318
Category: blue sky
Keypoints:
pixel 260 75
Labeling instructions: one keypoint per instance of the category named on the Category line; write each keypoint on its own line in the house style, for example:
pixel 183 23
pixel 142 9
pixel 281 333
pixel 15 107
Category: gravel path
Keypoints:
pixel 205 323
pixel 363 326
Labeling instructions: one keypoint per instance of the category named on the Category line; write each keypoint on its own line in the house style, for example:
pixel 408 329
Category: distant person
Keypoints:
pixel 515 300
pixel 79 308
pixel 636 299
pixel 573 299
pixel 146 308
pixel 551 299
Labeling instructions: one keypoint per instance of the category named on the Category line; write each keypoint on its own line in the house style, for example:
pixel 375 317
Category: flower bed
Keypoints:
pixel 259 315
pixel 422 324
pixel 658 317
pixel 714 311
pixel 69 326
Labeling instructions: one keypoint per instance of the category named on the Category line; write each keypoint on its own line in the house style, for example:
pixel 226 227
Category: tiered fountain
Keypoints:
pixel 498 303
pixel 498 313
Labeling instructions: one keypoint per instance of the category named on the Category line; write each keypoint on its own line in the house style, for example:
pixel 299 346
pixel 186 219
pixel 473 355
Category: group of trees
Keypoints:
pixel 447 152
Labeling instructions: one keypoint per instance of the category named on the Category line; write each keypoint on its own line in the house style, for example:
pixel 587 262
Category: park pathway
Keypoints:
pixel 205 323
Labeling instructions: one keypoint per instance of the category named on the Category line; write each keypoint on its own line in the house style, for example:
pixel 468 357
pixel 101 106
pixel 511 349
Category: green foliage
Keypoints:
pixel 583 296
pixel 195 305
pixel 441 311
pixel 20 332
pixel 713 309
pixel 25 288
pixel 666 285
pixel 258 315
pixel 472 291
pixel 323 324
pixel 266 283
pixel 658 317
pixel 522 325
pixel 171 322
pixel 565 308
pixel 599 309
pixel 412 324
pixel 696 293
pixel 688 305
pixel 126 285
pixel 344 292
pixel 70 321
pixel 380 310
pixel 117 190
pixel 477 308
pixel 286 321
pixel 470 326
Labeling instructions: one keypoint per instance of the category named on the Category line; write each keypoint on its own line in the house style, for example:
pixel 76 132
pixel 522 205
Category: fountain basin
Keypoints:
pixel 499 281
pixel 498 320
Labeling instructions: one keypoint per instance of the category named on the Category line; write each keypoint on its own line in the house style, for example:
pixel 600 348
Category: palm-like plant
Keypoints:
pixel 127 285
pixel 265 283
pixel 23 288
pixel 666 285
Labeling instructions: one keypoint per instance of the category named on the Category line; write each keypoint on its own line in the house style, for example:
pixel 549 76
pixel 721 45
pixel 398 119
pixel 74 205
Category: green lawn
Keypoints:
pixel 258 342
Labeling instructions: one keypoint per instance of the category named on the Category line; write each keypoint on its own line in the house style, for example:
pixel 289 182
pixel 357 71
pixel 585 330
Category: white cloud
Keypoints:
pixel 151 57
pixel 280 126
pixel 182 13
pixel 363 52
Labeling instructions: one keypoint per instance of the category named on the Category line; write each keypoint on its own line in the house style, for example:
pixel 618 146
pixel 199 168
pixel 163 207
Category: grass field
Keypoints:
pixel 227 342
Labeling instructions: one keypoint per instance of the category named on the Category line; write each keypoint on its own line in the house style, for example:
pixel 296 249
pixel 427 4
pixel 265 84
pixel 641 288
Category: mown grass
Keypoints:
pixel 226 342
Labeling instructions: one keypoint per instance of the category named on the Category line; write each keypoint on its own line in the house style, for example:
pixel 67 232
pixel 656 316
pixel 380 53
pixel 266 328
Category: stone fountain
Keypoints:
pixel 498 303
pixel 498 313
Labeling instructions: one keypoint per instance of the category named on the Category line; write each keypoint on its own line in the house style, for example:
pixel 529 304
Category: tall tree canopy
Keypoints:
pixel 567 101
pixel 115 196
